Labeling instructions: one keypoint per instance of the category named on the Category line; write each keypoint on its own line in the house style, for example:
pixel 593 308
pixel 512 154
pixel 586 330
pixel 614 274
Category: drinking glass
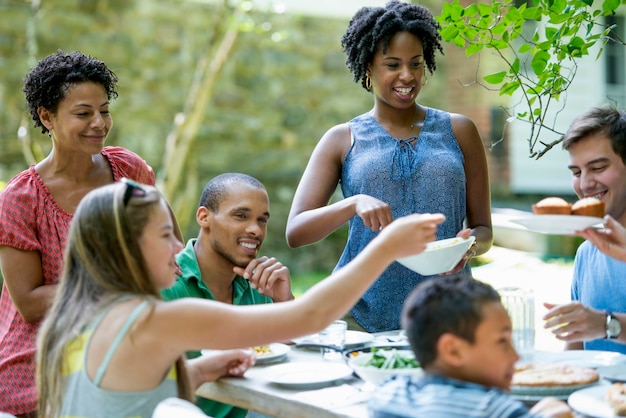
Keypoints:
pixel 335 335
pixel 520 303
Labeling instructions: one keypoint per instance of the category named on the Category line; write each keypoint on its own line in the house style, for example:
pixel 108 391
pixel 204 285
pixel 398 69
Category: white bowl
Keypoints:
pixel 375 375
pixel 439 256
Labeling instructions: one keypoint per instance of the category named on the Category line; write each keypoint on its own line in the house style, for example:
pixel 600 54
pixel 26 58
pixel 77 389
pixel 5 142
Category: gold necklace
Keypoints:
pixel 414 120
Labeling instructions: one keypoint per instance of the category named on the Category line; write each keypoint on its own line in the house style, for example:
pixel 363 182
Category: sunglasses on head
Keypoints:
pixel 132 189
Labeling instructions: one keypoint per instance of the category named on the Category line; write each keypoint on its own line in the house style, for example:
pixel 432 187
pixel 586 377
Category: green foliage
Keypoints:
pixel 283 84
pixel 540 59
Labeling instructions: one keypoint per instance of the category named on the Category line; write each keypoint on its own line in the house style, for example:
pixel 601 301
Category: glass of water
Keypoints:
pixel 334 335
pixel 520 303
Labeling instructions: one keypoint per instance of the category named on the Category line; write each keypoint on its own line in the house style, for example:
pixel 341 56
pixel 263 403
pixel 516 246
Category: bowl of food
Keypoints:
pixel 439 256
pixel 378 365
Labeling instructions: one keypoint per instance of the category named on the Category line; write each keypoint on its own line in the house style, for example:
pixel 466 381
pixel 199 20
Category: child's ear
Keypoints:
pixel 450 349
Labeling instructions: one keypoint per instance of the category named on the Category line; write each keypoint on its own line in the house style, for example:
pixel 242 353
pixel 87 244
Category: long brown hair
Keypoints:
pixel 103 261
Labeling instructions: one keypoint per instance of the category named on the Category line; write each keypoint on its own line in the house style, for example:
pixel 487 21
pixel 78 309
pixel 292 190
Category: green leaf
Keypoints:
pixel 473 48
pixel 558 18
pixel 459 41
pixel 610 5
pixel 484 10
pixel 499 29
pixel 557 6
pixel 544 46
pixel 576 47
pixel 535 36
pixel 471 10
pixel 551 32
pixel 509 88
pixel 449 33
pixel 500 44
pixel 456 12
pixel 533 13
pixel 495 78
pixel 525 48
pixel 540 62
pixel 515 66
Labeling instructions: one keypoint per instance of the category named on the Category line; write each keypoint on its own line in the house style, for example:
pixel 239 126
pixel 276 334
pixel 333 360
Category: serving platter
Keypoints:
pixel 558 224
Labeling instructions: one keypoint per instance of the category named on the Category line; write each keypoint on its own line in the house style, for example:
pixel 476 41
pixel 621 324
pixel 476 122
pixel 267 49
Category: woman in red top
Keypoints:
pixel 68 97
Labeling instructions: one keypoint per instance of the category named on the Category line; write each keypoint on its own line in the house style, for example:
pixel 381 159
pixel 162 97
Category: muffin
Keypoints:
pixel 552 206
pixel 589 206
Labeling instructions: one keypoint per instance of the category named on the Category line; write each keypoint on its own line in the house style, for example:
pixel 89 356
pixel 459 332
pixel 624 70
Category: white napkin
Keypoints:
pixel 333 397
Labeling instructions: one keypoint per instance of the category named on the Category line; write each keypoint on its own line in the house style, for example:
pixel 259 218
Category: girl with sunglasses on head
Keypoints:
pixel 68 97
pixel 110 346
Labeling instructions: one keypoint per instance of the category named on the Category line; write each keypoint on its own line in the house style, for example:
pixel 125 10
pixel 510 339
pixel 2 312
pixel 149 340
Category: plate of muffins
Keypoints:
pixel 554 215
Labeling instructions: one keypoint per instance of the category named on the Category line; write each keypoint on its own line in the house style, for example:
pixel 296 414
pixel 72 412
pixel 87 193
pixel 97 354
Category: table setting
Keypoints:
pixel 302 380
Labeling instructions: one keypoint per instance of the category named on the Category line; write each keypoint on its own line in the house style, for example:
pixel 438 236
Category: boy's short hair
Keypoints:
pixel 444 304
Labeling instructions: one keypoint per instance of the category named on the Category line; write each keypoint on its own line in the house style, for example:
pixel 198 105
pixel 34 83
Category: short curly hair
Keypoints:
pixel 45 84
pixel 372 28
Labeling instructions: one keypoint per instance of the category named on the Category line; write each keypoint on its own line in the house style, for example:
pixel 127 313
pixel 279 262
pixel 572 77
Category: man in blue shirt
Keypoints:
pixel 222 263
pixel 596 144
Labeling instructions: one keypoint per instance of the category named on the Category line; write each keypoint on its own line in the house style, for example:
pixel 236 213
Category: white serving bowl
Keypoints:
pixel 376 376
pixel 439 256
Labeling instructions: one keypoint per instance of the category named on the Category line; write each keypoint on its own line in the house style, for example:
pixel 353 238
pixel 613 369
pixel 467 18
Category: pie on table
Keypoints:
pixel 550 375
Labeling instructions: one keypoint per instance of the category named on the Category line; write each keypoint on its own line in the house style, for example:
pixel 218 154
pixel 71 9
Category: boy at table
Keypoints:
pixel 461 334
pixel 221 263
pixel 596 144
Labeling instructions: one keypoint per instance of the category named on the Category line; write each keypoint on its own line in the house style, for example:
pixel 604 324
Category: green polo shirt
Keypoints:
pixel 190 285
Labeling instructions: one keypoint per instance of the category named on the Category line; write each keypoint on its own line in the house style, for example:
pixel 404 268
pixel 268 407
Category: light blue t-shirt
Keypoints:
pixel 600 283
pixel 420 175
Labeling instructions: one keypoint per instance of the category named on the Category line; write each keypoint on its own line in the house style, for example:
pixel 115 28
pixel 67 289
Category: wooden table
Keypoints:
pixel 255 393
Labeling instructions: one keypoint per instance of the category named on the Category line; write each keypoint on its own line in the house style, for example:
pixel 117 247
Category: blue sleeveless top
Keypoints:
pixel 418 175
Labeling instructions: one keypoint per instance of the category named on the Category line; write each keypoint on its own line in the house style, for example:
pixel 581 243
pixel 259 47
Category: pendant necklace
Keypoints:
pixel 414 120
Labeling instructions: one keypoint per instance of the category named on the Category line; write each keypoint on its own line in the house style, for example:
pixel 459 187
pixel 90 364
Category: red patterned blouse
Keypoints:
pixel 31 220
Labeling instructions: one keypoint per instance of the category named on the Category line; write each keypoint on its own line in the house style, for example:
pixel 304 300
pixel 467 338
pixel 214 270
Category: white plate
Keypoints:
pixel 580 358
pixel 353 339
pixel 356 338
pixel 278 353
pixel 616 373
pixel 591 402
pixel 558 224
pixel 306 375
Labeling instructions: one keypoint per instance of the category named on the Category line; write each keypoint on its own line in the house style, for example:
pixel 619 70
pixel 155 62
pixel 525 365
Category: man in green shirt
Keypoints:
pixel 221 263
